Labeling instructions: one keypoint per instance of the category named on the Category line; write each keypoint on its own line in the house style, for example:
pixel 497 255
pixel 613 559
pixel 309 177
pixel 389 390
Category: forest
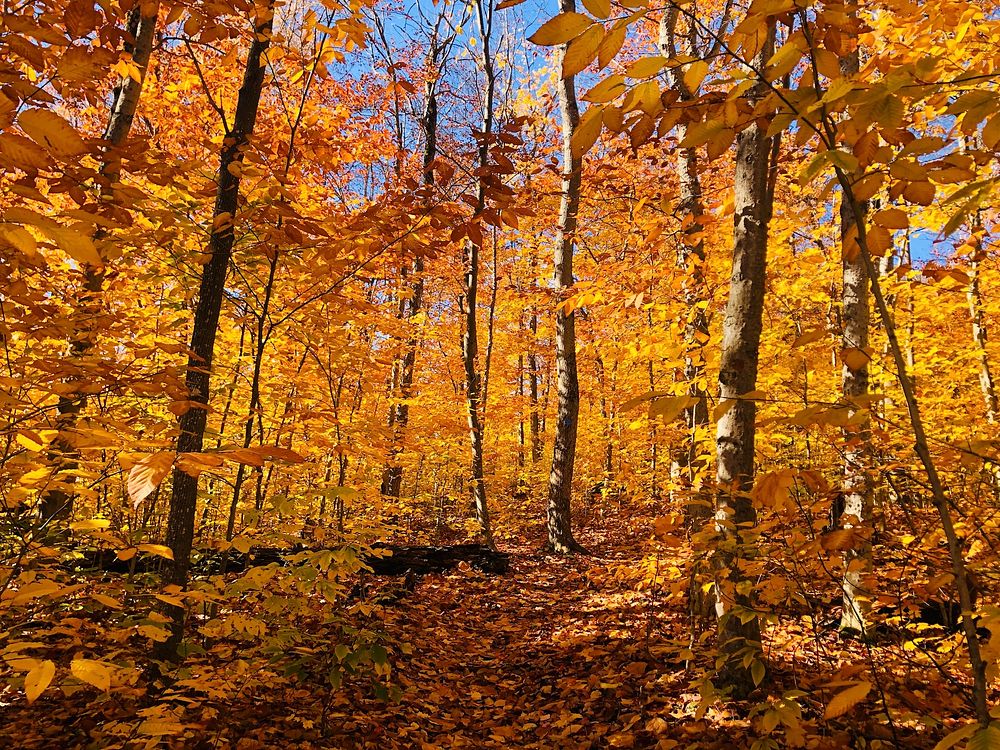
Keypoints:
pixel 499 373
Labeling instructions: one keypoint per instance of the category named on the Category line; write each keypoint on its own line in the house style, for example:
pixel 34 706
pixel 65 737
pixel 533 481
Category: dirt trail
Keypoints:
pixel 556 654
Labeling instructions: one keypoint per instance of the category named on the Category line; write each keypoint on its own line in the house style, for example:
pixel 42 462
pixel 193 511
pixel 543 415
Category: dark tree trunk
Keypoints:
pixel 57 503
pixel 399 413
pixel 184 498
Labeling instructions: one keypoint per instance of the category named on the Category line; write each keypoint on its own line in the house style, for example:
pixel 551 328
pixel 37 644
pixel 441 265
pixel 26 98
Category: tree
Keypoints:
pixel 856 487
pixel 559 515
pixel 410 305
pixel 57 503
pixel 184 496
pixel 739 626
pixel 484 11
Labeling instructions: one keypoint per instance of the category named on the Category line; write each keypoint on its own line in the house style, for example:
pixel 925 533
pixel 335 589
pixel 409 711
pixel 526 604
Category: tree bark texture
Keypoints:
pixel 855 485
pixel 559 512
pixel 739 627
pixel 184 498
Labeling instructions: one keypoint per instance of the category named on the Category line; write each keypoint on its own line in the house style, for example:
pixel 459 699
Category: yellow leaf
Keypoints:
pixel 668 408
pixel 867 187
pixel 845 700
pixel 157 549
pixel 991 132
pixel 244 456
pixel 891 218
pixel 31 440
pixel 611 46
pixel 987 738
pixel 277 453
pixel 920 193
pixel 107 601
pixel 607 90
pixel 837 541
pixel 75 244
pixel 193 464
pixel 953 738
pixel 695 74
pixel 48 129
pixel 582 51
pixel 600 8
pixel 719 143
pixel 92 672
pixel 38 679
pixel 19 238
pixel 645 67
pixel 147 474
pixel 79 64
pixel 159 728
pixel 93 524
pixel 757 671
pixel 641 131
pixel 21 153
pixel 636 400
pixel 36 590
pixel 855 359
pixel 809 336
pixel 701 132
pixel 879 240
pixel 561 29
pixel 586 132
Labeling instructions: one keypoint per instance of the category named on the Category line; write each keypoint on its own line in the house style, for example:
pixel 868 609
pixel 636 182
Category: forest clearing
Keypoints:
pixel 498 373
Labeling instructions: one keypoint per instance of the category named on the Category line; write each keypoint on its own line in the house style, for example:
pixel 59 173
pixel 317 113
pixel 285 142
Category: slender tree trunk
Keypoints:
pixel 184 498
pixel 254 407
pixel 559 515
pixel 57 503
pixel 855 487
pixel 911 318
pixel 609 447
pixel 399 415
pixel 490 323
pixel 979 336
pixel 739 627
pixel 521 442
pixel 921 447
pixel 533 375
pixel 691 259
pixel 470 339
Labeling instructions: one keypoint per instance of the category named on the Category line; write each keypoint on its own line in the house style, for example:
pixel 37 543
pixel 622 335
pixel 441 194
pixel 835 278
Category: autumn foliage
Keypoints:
pixel 682 313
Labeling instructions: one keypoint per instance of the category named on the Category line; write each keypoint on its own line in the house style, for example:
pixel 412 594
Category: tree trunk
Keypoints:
pixel 855 487
pixel 739 627
pixel 470 339
pixel 979 336
pixel 533 375
pixel 559 515
pixel 57 503
pixel 184 498
pixel 399 414
pixel 690 259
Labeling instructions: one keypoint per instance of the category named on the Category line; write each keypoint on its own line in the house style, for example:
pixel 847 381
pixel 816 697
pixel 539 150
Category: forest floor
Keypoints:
pixel 560 652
